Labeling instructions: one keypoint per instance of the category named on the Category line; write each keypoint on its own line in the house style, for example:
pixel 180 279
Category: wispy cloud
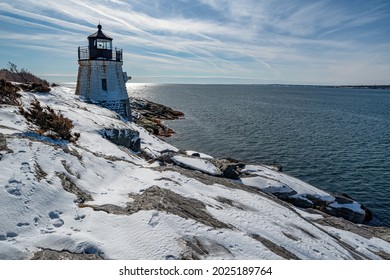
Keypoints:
pixel 271 39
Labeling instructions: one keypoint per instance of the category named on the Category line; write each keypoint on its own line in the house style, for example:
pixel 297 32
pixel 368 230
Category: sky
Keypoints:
pixel 206 41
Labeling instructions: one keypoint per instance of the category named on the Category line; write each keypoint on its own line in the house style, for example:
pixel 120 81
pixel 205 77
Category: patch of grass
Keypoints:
pixel 49 123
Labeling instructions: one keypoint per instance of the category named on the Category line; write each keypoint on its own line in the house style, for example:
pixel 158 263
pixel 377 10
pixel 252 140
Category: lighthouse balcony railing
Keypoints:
pixel 87 53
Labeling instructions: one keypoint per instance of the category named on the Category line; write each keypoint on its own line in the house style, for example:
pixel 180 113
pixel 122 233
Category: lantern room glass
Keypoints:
pixel 103 44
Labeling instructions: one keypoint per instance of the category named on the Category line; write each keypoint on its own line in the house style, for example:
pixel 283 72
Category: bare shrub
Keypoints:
pixel 21 76
pixel 30 81
pixel 9 93
pixel 49 123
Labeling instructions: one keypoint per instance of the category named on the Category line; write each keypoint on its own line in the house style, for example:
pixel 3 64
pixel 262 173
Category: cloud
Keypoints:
pixel 248 37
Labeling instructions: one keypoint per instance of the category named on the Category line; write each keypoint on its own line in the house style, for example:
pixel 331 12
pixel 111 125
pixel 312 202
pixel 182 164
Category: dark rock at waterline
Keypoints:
pixel 231 171
pixel 368 211
pixel 149 115
pixel 347 208
pixel 275 166
pixel 230 168
pixel 339 206
pixel 150 109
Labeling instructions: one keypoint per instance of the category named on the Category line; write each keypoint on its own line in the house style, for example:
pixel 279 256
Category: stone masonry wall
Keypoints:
pixel 89 84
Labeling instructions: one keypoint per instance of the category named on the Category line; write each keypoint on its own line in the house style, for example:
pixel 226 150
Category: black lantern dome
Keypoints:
pixel 99 48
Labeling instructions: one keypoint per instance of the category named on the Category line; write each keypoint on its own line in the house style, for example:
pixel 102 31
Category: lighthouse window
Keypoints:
pixel 104 84
pixel 104 44
pixel 100 45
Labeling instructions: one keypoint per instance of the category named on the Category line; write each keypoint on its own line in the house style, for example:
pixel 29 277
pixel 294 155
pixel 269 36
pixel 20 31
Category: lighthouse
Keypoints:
pixel 100 76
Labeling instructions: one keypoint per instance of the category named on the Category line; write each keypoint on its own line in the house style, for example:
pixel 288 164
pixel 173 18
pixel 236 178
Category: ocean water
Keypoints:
pixel 337 139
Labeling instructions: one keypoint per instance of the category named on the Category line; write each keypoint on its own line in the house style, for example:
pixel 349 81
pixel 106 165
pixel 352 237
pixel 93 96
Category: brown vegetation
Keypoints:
pixel 20 76
pixel 35 87
pixel 29 82
pixel 49 123
pixel 9 93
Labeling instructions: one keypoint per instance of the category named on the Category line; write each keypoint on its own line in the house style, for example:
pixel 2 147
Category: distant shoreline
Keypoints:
pixel 366 87
pixel 338 86
pixel 384 87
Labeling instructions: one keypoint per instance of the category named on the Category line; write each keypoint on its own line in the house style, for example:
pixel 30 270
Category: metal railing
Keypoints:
pixel 87 53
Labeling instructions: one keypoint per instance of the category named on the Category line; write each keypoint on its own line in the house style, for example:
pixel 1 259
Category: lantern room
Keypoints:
pixel 99 48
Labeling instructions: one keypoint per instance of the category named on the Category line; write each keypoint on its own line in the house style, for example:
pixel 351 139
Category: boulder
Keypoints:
pixel 348 209
pixel 230 169
pixel 195 163
pixel 3 143
pixel 124 137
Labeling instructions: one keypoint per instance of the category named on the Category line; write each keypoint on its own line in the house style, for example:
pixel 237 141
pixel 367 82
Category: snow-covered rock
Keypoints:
pixel 128 138
pixel 199 164
pixel 198 154
pixel 96 197
pixel 302 194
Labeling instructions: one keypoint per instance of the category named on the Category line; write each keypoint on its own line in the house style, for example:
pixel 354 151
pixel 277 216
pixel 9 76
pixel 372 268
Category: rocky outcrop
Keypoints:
pixel 159 199
pixel 3 143
pixel 150 110
pixel 123 137
pixel 3 146
pixel 149 115
pixel 347 208
pixel 266 179
pixel 279 250
pixel 49 254
pixel 69 186
pixel 155 126
pixel 230 169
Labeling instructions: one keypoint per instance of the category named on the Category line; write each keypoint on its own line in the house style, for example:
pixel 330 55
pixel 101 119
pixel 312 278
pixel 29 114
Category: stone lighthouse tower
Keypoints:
pixel 100 77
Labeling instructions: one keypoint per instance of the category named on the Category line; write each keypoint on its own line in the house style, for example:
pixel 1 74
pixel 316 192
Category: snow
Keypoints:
pixel 11 121
pixel 197 164
pixel 354 206
pixel 266 184
pixel 274 181
pixel 366 246
pixel 38 213
pixel 201 155
pixel 307 215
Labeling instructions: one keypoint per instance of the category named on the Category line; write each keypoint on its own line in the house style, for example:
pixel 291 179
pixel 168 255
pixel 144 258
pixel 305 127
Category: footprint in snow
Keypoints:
pixel 55 216
pixel 58 223
pixel 8 235
pixel 79 217
pixel 22 224
pixel 14 187
pixel 25 168
pixel 154 220
pixel 11 234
